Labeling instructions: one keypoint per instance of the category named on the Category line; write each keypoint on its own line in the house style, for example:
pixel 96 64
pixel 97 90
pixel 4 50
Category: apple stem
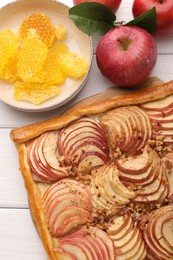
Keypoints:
pixel 161 1
pixel 125 44
pixel 119 23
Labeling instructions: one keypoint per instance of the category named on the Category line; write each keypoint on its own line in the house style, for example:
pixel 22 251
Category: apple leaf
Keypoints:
pixel 92 18
pixel 146 21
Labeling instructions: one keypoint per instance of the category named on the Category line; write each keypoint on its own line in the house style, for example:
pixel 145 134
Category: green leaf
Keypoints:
pixel 92 18
pixel 146 21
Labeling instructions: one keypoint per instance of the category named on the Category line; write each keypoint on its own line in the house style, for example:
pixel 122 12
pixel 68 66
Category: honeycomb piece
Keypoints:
pixel 73 65
pixel 31 58
pixel 60 49
pixel 35 93
pixel 55 75
pixel 8 46
pixel 43 26
pixel 61 32
pixel 10 70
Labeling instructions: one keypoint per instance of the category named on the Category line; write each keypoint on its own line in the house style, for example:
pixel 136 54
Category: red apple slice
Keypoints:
pixel 136 164
pixel 67 205
pixel 127 239
pixel 83 144
pixel 120 233
pixel 128 129
pixel 95 241
pixel 159 105
pixel 43 160
pixel 168 161
pixel 108 189
pixel 158 240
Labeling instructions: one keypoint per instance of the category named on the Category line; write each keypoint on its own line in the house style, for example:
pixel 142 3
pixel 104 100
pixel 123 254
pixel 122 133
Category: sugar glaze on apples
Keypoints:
pixel 106 183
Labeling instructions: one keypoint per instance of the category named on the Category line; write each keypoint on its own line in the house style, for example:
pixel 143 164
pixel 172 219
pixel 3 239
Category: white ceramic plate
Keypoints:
pixel 11 17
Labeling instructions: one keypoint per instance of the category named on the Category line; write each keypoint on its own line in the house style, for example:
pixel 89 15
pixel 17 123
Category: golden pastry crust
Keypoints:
pixel 21 135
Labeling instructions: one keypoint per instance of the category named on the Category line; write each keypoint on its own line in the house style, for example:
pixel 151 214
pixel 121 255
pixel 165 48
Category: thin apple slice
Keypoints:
pixel 122 243
pixel 117 224
pixel 120 233
pixel 67 204
pixel 50 150
pixel 161 117
pixel 162 217
pixel 159 105
pixel 168 161
pixel 112 178
pixel 40 159
pixel 50 169
pixel 136 164
pixel 37 168
pixel 63 187
pixel 136 127
pixel 167 231
pixel 108 189
pixel 159 241
pixel 83 144
pixel 89 242
pixel 127 239
pixel 128 129
pixel 68 219
pixel 141 125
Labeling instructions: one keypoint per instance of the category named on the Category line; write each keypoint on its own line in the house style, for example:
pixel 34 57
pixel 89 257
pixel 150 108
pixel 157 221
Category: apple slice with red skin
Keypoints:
pixel 160 105
pixel 64 222
pixel 66 187
pixel 108 189
pixel 118 223
pixel 157 226
pixel 139 170
pixel 136 164
pixel 83 144
pixel 160 113
pixel 91 237
pixel 36 166
pixel 128 128
pixel 76 125
pixel 136 130
pixel 127 238
pixel 149 176
pixel 67 204
pixel 168 162
pixel 119 233
pixel 42 162
pixel 157 245
pixel 43 159
pixel 62 188
pixel 166 226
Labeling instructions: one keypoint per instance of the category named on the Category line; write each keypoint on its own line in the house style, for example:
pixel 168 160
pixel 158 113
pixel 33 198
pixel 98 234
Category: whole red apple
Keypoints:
pixel 126 55
pixel 112 4
pixel 164 11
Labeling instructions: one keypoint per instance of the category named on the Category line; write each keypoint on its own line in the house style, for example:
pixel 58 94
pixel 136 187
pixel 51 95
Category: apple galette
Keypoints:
pixel 100 178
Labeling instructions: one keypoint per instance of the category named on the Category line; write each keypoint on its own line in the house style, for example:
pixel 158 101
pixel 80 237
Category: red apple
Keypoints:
pixel 112 4
pixel 126 55
pixel 164 10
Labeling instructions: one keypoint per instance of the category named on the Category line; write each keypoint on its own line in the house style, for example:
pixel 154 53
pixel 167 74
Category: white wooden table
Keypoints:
pixel 18 238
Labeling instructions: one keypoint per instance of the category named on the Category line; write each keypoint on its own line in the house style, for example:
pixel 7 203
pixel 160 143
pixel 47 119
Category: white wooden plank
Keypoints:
pixel 18 237
pixel 12 191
